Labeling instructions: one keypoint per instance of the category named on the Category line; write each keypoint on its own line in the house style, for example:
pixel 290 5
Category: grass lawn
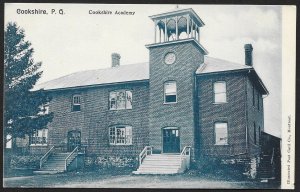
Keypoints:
pixel 98 179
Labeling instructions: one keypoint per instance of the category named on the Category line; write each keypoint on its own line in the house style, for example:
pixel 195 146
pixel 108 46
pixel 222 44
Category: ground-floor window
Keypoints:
pixel 120 135
pixel 221 133
pixel 9 141
pixel 39 137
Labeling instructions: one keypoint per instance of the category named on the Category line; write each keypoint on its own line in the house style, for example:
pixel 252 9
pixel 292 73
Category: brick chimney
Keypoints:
pixel 248 54
pixel 115 59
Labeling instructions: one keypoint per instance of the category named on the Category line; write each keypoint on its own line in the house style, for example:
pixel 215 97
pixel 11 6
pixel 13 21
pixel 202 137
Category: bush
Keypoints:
pixel 27 161
pixel 107 162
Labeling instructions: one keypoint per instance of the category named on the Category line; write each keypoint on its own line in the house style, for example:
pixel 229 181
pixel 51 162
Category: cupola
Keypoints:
pixel 177 24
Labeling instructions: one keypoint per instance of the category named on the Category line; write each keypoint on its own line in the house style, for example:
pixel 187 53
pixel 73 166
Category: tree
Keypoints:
pixel 22 107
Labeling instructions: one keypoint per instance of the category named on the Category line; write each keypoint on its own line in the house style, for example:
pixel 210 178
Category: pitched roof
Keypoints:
pixel 123 73
pixel 212 65
pixel 133 72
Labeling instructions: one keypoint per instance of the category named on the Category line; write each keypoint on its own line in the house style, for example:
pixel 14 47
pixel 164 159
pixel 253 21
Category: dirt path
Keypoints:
pixel 97 180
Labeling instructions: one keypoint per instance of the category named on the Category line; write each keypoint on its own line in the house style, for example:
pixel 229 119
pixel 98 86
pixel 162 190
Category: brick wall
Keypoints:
pixel 232 112
pixel 94 119
pixel 239 112
pixel 254 115
pixel 180 114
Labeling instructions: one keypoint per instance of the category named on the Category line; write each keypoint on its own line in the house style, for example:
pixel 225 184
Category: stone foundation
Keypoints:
pixel 111 162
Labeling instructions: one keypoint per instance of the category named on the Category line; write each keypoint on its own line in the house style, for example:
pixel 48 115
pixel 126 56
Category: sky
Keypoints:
pixel 77 40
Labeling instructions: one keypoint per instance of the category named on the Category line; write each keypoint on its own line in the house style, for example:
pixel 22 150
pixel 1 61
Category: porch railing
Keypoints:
pixel 272 157
pixel 70 157
pixel 185 157
pixel 45 157
pixel 146 151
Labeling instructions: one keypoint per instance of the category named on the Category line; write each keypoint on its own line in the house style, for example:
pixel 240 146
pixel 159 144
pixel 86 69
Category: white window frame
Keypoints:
pixel 120 135
pixel 170 93
pixel 76 101
pixel 42 134
pixel 8 144
pixel 114 96
pixel 223 93
pixel 44 109
pixel 217 132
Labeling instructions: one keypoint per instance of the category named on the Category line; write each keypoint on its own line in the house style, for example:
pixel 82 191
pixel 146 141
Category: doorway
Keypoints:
pixel 74 140
pixel 171 140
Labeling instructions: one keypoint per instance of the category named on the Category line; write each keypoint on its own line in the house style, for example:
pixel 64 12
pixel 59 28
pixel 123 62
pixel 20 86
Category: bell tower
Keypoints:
pixel 176 25
pixel 175 55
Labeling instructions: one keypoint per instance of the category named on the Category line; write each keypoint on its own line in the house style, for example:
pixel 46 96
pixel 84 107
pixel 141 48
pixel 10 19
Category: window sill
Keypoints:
pixel 120 144
pixel 219 103
pixel 38 145
pixel 169 103
pixel 119 109
pixel 221 144
pixel 75 111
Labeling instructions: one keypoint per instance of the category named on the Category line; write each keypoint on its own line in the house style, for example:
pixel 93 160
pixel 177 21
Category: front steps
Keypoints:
pixel 54 164
pixel 162 164
pixel 265 170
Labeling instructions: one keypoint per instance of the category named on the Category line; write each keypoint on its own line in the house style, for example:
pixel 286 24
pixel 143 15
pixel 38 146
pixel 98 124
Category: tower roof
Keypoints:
pixel 179 12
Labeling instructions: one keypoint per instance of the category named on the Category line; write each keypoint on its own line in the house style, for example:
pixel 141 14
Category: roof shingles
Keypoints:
pixel 128 73
pixel 124 73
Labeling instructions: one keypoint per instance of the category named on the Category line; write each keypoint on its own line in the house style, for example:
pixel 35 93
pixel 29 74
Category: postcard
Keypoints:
pixel 149 96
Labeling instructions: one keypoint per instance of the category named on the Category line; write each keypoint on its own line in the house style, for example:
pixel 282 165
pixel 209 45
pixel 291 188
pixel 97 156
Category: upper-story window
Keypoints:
pixel 120 99
pixel 44 109
pixel 221 133
pixel 220 92
pixel 76 103
pixel 170 92
pixel 120 135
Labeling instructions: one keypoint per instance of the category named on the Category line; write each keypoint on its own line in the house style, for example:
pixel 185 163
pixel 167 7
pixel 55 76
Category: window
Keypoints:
pixel 76 103
pixel 9 142
pixel 170 90
pixel 221 133
pixel 120 100
pixel 44 109
pixel 254 132
pixel 120 135
pixel 39 137
pixel 220 92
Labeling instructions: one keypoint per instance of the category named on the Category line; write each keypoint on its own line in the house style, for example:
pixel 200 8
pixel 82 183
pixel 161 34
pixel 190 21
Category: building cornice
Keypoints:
pixel 95 85
pixel 177 42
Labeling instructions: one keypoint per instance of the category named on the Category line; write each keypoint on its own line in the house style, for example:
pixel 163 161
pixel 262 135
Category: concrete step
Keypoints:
pixel 162 159
pixel 54 166
pixel 162 163
pixel 47 172
pixel 164 156
pixel 158 172
pixel 55 160
pixel 159 168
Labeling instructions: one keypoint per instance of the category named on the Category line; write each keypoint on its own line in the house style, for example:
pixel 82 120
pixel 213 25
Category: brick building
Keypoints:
pixel 180 103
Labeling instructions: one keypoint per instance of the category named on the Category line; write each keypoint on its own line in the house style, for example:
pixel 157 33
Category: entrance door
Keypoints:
pixel 171 140
pixel 74 140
